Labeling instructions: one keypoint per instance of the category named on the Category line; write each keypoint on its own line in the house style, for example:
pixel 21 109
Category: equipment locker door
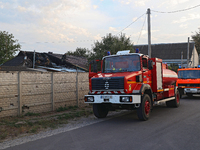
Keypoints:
pixel 159 75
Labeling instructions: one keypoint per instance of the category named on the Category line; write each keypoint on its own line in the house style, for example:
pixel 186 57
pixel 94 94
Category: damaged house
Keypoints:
pixel 34 61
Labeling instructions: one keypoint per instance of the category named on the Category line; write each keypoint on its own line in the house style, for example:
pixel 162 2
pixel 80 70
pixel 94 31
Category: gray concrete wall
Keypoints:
pixel 22 92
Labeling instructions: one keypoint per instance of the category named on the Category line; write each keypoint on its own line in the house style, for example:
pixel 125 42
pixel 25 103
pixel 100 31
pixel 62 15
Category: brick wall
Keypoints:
pixel 22 92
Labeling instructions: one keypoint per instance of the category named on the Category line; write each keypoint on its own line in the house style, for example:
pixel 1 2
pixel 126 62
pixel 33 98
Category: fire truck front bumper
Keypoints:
pixel 192 90
pixel 114 99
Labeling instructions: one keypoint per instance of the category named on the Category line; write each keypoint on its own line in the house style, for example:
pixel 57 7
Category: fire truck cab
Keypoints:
pixel 188 81
pixel 131 81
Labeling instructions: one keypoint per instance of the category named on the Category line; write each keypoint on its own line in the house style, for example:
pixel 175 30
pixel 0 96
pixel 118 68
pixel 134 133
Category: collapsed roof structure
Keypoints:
pixel 26 60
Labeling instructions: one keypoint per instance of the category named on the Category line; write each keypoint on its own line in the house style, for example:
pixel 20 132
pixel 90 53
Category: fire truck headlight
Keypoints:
pixel 89 99
pixel 125 98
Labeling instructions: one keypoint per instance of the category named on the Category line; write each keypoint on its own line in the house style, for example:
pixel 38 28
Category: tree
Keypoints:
pixel 8 46
pixel 110 43
pixel 100 49
pixel 196 39
pixel 173 67
pixel 81 52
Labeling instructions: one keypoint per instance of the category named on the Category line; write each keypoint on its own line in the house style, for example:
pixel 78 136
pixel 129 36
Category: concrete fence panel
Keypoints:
pixel 8 94
pixel 22 92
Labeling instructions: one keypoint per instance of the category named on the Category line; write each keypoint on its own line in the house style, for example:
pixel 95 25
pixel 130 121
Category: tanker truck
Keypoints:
pixel 131 81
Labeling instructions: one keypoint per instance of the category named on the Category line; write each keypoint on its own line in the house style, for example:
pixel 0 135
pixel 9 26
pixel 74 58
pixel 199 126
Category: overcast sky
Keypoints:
pixel 63 25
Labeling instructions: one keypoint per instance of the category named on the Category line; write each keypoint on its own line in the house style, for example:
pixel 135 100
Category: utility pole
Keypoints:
pixel 149 32
pixel 188 48
pixel 181 59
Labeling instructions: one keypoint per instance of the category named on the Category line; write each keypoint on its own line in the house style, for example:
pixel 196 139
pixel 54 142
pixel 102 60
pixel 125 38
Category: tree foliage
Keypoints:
pixel 173 67
pixel 8 46
pixel 110 43
pixel 196 39
pixel 80 52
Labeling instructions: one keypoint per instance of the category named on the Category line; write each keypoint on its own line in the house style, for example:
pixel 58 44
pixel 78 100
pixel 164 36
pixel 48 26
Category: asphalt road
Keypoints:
pixel 167 129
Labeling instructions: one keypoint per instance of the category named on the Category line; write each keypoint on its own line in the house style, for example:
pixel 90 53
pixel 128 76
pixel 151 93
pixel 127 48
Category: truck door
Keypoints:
pixel 147 79
pixel 94 68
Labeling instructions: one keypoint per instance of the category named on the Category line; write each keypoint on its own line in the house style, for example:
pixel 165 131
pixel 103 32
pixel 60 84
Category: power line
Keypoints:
pixel 58 42
pixel 141 30
pixel 118 32
pixel 131 23
pixel 177 10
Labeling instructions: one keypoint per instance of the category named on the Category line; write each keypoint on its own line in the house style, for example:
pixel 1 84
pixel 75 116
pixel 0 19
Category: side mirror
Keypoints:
pixel 150 64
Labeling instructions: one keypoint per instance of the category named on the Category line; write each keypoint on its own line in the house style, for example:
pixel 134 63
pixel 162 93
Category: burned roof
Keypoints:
pixel 17 61
pixel 25 58
pixel 167 51
pixel 80 62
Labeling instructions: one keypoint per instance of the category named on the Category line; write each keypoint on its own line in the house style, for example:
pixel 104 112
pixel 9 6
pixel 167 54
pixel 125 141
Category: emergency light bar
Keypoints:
pixel 123 52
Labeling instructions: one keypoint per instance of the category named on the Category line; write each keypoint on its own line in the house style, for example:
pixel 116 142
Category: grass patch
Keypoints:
pixel 34 129
pixel 35 122
pixel 3 134
pixel 32 114
pixel 60 109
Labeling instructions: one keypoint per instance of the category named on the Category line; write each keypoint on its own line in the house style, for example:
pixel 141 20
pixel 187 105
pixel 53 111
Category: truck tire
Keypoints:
pixel 143 112
pixel 181 92
pixel 100 110
pixel 175 102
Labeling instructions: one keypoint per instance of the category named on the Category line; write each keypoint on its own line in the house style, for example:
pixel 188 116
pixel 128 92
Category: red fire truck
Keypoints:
pixel 131 81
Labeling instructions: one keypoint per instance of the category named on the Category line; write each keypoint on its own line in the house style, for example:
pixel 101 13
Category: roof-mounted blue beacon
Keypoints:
pixel 108 53
pixel 137 50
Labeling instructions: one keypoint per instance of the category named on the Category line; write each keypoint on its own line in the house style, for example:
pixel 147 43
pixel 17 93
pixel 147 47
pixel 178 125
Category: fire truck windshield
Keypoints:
pixel 189 74
pixel 121 63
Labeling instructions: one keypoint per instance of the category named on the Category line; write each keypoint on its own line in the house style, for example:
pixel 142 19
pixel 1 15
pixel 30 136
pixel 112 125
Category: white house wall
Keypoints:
pixel 194 60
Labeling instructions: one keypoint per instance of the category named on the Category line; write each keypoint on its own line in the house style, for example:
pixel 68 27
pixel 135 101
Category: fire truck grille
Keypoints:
pixel 108 83
pixel 189 85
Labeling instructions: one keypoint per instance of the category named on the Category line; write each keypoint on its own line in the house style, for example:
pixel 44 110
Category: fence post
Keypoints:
pixel 19 94
pixel 77 88
pixel 52 91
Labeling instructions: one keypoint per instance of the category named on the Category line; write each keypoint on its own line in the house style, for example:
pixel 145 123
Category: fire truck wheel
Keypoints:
pixel 175 102
pixel 181 92
pixel 100 110
pixel 144 110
